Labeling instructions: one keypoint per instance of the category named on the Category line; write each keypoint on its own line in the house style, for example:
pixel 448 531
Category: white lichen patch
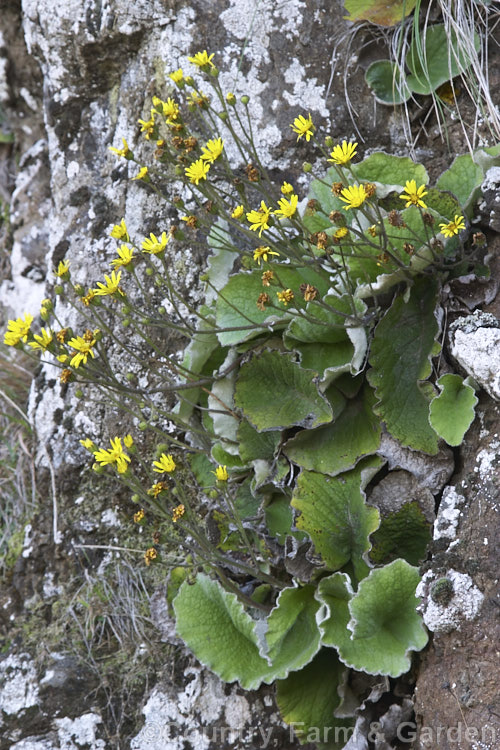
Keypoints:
pixel 448 514
pixel 464 603
pixel 27 541
pixel 18 681
pixel 304 93
pixel 488 461
pixel 170 720
pixel 478 352
pixel 80 732
pixel 109 517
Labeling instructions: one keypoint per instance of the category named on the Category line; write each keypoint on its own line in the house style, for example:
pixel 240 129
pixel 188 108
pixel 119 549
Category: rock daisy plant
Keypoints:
pixel 317 334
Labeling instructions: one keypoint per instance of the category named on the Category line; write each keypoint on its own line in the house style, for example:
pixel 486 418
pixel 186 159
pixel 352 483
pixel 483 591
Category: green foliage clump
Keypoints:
pixel 318 332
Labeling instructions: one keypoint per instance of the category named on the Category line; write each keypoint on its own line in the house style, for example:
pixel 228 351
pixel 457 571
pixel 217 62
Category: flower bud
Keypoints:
pixel 245 99
pixel 306 167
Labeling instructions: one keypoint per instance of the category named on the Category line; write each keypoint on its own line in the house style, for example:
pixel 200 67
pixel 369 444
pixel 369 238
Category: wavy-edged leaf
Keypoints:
pixel 386 82
pixel 214 624
pixel 256 445
pixel 390 172
pixel 274 392
pixel 222 636
pixel 338 446
pixel 307 700
pixel 381 617
pixel 400 359
pixel 292 635
pixel 452 412
pixel 237 303
pixel 434 58
pixel 463 179
pixel 334 514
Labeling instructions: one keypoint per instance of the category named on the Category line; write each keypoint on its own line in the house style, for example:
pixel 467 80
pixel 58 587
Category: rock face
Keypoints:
pixel 87 644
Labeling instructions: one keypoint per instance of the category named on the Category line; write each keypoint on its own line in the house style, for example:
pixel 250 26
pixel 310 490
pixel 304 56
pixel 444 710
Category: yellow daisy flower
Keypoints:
pixel 125 151
pixel 83 347
pixel 197 171
pixel 155 245
pixel 111 285
pixel 262 253
pixel 166 463
pixel 287 208
pixel 413 195
pixel 17 330
pixel 114 456
pixel 344 153
pixel 453 227
pixel 221 474
pixel 259 219
pixel 354 196
pixel 43 340
pixel 212 150
pixel 125 257
pixel 303 127
pixel 202 59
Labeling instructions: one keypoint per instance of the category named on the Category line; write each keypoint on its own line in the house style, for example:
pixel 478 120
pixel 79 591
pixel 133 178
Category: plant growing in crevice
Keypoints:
pixel 436 50
pixel 317 333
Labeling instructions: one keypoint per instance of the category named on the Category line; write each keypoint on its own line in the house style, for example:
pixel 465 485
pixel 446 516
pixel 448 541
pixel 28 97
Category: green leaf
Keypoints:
pixel 379 12
pixel 325 359
pixel 274 392
pixel 388 85
pixel 320 190
pixel 196 355
pixel 254 445
pixel 237 303
pixel 221 260
pixel 399 357
pixel 389 171
pixel 330 328
pixel 245 503
pixel 334 344
pixel 435 57
pixel 221 634
pixel 463 179
pixel 214 625
pixel 307 700
pixel 336 517
pixel 202 469
pixel 279 517
pixel 292 635
pixel 224 458
pixel 339 446
pixel 405 533
pixel 384 624
pixel 452 412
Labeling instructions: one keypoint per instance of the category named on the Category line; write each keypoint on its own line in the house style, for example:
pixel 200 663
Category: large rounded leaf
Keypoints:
pixel 452 412
pixel 385 80
pixel 274 392
pixel 336 517
pixel 400 358
pixel 376 628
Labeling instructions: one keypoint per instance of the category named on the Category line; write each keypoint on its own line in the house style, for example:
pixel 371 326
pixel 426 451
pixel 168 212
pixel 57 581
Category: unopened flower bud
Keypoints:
pixel 306 167
pixel 245 99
